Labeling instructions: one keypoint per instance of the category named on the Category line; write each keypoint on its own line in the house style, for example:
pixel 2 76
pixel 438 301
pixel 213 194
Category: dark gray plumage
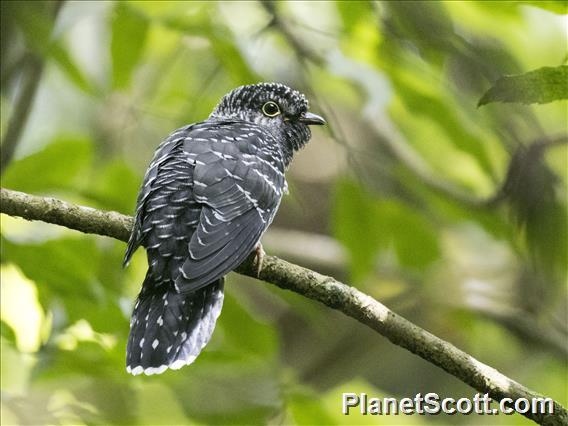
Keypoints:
pixel 209 194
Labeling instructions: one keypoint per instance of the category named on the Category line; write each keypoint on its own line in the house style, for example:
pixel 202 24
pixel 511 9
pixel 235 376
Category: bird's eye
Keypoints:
pixel 271 109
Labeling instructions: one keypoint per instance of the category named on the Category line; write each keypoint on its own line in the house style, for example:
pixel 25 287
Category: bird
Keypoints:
pixel 207 197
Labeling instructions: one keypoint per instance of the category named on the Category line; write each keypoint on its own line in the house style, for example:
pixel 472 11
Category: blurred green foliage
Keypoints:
pixel 129 29
pixel 453 215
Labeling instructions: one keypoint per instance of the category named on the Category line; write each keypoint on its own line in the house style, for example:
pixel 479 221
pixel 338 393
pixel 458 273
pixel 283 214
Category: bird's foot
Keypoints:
pixel 259 254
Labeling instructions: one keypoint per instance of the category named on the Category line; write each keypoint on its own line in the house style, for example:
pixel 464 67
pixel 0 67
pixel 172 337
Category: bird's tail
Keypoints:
pixel 169 329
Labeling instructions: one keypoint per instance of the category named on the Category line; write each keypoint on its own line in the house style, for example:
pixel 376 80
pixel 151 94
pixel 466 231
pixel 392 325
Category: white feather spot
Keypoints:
pixel 176 365
pixel 136 370
pixel 155 370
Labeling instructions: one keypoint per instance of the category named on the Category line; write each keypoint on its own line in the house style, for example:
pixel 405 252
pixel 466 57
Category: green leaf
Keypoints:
pixel 8 333
pixel 560 6
pixel 129 31
pixel 540 86
pixel 532 190
pixel 414 239
pixel 356 227
pixel 426 24
pixel 77 274
pixel 364 225
pixel 306 408
pixel 65 267
pixel 443 114
pixel 352 12
pixel 58 166
pixel 241 396
pixel 95 378
pixel 243 334
pixel 109 195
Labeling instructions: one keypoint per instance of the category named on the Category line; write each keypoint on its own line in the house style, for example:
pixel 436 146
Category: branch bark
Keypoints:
pixel 310 284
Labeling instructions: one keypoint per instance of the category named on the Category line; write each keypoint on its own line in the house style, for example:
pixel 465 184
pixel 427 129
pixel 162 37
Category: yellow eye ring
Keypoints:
pixel 270 109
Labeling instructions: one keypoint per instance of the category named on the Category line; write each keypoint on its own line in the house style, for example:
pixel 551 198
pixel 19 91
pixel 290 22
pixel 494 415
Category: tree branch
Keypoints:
pixel 310 284
pixel 33 66
pixel 324 253
pixel 23 104
pixel 72 216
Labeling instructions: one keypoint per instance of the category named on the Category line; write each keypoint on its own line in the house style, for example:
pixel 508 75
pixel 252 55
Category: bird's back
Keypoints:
pixel 208 195
pixel 212 188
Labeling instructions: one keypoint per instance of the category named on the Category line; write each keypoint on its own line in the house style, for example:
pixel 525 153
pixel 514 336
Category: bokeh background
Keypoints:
pixel 453 215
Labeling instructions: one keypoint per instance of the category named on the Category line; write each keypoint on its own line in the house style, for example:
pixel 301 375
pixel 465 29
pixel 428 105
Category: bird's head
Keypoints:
pixel 280 109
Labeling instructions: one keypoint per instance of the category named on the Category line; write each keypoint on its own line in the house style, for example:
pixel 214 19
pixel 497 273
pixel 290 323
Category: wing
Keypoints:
pixel 161 156
pixel 239 180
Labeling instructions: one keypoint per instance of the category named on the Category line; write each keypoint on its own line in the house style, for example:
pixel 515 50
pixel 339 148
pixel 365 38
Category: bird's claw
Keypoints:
pixel 259 254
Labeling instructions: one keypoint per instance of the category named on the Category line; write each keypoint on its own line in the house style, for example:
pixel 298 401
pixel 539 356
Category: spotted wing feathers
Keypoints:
pixel 207 197
pixel 236 186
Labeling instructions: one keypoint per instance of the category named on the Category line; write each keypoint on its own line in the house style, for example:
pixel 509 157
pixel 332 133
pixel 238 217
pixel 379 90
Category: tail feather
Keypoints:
pixel 169 329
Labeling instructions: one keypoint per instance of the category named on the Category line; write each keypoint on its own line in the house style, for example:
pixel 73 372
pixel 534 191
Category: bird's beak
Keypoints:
pixel 311 119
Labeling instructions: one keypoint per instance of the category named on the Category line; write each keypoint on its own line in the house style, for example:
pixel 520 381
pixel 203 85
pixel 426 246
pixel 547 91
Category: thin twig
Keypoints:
pixel 313 285
pixel 14 67
pixel 33 70
pixel 23 104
